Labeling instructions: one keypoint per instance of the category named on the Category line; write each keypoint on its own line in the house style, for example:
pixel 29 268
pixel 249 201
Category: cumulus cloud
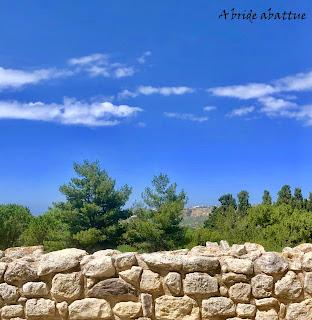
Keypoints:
pixel 70 112
pixel 100 65
pixel 15 78
pixel 149 90
pixel 240 112
pixel 144 56
pixel 186 116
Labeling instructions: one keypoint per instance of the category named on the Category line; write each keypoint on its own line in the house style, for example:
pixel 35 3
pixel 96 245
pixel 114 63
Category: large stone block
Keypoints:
pixel 40 309
pixel 97 266
pixel 217 307
pixel 200 284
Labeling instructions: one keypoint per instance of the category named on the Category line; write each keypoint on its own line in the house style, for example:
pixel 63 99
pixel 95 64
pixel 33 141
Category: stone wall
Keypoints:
pixel 215 282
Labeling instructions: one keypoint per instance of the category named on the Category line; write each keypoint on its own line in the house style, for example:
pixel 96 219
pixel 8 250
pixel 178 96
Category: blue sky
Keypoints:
pixel 153 86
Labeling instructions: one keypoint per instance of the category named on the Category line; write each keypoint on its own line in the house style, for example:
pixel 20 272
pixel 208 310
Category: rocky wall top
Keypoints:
pixel 212 282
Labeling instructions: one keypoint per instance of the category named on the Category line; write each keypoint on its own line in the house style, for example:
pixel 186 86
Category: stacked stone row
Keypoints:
pixel 212 282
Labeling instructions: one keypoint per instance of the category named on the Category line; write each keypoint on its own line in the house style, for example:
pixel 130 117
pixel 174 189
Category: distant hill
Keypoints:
pixel 196 215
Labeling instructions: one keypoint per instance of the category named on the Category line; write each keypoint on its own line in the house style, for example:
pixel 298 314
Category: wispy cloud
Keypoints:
pixel 70 112
pixel 15 78
pixel 144 56
pixel 209 108
pixel 294 83
pixel 240 112
pixel 100 65
pixel 186 116
pixel 149 90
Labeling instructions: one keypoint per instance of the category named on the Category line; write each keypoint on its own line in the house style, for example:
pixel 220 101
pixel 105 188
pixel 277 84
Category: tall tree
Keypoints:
pixel 94 207
pixel 243 202
pixel 266 198
pixel 227 200
pixel 284 195
pixel 156 226
pixel 298 201
pixel 309 202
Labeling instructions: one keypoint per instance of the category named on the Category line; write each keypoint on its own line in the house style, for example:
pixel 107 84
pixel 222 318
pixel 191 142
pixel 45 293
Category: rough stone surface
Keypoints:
pixel 212 282
pixel 176 308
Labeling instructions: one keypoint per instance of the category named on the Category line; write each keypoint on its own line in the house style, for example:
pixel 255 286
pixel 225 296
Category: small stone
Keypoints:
pixel 124 261
pixel 35 289
pixel 270 263
pixel 12 311
pixel 230 278
pixel 236 265
pixel 289 287
pixel 245 310
pixel 132 276
pixel 307 261
pixel 218 307
pixel 300 311
pixel 173 282
pixel 147 304
pixel 67 286
pixel 240 292
pixel 20 271
pixel 127 310
pixel 308 282
pixel 262 286
pixel 150 281
pixel 39 309
pixel 90 309
pixel 266 315
pixel 266 303
pixel 200 284
pixel 9 294
pixel 62 308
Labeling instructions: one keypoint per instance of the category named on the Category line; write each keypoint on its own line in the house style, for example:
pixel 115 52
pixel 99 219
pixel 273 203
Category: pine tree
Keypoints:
pixel 266 198
pixel 284 195
pixel 298 201
pixel 243 202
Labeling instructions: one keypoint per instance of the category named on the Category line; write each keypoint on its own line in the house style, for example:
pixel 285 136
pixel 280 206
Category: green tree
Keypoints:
pixel 227 200
pixel 157 225
pixel 49 230
pixel 298 201
pixel 284 195
pixel 266 198
pixel 243 202
pixel 14 219
pixel 94 208
pixel 309 202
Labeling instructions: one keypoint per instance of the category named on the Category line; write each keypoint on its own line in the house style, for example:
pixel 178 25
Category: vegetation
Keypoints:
pixel 94 216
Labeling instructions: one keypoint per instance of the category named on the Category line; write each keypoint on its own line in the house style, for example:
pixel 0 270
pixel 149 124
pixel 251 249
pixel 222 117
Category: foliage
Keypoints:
pixel 94 207
pixel 49 230
pixel 13 221
pixel 157 225
pixel 284 195
pixel 266 198
pixel 243 202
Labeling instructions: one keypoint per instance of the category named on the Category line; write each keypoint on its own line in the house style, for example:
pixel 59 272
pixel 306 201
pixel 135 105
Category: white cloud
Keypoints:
pixel 186 116
pixel 14 78
pixel 143 57
pixel 273 105
pixel 70 112
pixel 149 90
pixel 248 91
pixel 209 108
pixel 100 65
pixel 294 83
pixel 240 112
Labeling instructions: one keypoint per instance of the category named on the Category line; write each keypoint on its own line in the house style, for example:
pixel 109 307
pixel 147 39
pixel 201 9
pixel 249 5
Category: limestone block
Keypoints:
pixel 308 282
pixel 9 294
pixel 40 309
pixel 176 308
pixel 217 307
pixel 289 287
pixel 147 304
pixel 200 284
pixel 162 261
pixel 270 263
pixel 307 261
pixel 262 286
pixel 236 265
pixel 124 261
pixel 90 309
pixel 150 282
pixel 114 287
pixel 246 310
pixel 59 261
pixel 67 286
pixel 266 315
pixel 173 282
pixel 97 266
pixel 127 310
pixel 35 289
pixel 132 276
pixel 20 271
pixel 12 311
pixel 200 264
pixel 300 311
pixel 240 292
